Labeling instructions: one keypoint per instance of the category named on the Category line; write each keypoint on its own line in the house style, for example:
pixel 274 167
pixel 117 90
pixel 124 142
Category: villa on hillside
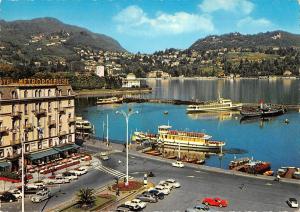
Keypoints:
pixel 131 82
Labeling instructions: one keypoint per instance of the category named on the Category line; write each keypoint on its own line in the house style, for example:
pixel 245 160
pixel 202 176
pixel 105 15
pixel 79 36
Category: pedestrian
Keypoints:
pixel 242 186
pixel 118 192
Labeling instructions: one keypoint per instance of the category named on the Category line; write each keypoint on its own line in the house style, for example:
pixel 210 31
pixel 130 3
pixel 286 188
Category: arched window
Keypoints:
pixel 36 93
pixel 49 92
pixel 69 92
pixel 0 95
pixel 40 93
pixel 25 94
pixel 14 94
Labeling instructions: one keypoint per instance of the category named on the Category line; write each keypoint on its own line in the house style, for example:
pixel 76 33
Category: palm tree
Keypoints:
pixel 86 197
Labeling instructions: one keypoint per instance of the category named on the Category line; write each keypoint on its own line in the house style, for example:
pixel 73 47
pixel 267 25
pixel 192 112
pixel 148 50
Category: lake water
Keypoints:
pixel 272 140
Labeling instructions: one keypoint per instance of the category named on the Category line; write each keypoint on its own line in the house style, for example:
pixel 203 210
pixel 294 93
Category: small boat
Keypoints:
pixel 238 162
pixel 263 110
pixel 172 157
pixel 200 162
pixel 296 174
pixel 166 112
pixel 109 100
pixel 268 173
pixel 286 121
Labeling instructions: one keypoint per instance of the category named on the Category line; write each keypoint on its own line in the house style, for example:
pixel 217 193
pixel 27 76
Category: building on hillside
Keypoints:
pixel 131 82
pixel 158 74
pixel 40 115
pixel 99 71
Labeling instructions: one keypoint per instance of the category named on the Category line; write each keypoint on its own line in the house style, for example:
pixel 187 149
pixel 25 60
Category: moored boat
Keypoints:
pixel 109 100
pixel 187 140
pixel 218 105
pixel 263 110
pixel 238 162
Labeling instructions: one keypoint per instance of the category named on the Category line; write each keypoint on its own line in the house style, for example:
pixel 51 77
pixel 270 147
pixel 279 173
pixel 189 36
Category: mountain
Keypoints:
pixel 46 33
pixel 237 40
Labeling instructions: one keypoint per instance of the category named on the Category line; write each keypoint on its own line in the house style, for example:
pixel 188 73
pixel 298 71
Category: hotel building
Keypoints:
pixel 39 115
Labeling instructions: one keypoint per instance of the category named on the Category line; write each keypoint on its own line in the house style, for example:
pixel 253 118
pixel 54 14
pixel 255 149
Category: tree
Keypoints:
pixel 86 197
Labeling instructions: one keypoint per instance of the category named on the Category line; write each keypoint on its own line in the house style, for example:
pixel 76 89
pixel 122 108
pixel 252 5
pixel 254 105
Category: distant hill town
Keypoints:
pixel 49 48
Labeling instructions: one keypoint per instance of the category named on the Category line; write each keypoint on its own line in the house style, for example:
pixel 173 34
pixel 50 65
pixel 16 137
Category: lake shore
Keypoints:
pixel 110 92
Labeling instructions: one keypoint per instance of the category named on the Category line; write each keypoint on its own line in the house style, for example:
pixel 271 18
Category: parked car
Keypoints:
pixel 70 175
pixel 215 202
pixel 78 172
pixel 17 193
pixel 162 189
pixel 35 185
pixel 156 193
pixel 41 196
pixel 125 208
pixel 147 198
pixel 8 197
pixel 198 208
pixel 178 164
pixel 104 156
pixel 166 185
pixel 137 202
pixel 173 183
pixel 83 168
pixel 292 202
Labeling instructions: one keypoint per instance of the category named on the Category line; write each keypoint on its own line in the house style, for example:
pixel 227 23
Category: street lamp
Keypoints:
pixel 126 116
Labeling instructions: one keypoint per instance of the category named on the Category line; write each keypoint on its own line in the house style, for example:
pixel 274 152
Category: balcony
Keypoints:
pixel 71 120
pixel 61 110
pixel 40 112
pixel 4 130
pixel 51 123
pixel 28 127
pixel 16 114
pixel 13 156
pixel 62 133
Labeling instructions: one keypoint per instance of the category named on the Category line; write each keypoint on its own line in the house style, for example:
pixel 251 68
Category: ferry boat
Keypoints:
pixel 84 128
pixel 187 140
pixel 219 105
pixel 141 137
pixel 109 100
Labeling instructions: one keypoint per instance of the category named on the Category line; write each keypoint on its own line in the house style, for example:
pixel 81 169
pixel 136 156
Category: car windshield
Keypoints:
pixel 293 200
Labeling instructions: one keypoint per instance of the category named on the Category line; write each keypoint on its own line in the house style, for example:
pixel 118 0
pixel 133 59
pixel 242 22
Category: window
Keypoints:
pixel 14 94
pixel 69 102
pixel 69 92
pixel 36 93
pixel 40 93
pixel 50 142
pixel 0 95
pixel 40 146
pixel 26 109
pixel 49 92
pixel 1 153
pixel 25 94
pixel 49 107
pixel 70 138
pixel 27 148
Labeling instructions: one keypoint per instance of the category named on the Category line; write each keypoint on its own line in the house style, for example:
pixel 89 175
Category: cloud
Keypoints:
pixel 251 25
pixel 133 20
pixel 239 6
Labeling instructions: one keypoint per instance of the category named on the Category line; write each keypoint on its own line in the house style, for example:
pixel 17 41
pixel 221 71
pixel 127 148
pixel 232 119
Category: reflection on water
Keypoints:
pixel 221 116
pixel 241 90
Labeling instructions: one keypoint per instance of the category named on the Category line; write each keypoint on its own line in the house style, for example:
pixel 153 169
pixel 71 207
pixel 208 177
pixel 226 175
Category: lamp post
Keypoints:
pixel 126 116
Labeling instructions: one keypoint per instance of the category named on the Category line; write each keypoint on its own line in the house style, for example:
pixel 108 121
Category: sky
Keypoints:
pixel 152 25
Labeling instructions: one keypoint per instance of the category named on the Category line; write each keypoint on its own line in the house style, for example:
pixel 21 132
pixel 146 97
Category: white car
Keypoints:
pixel 41 196
pixel 17 193
pixel 57 180
pixel 166 185
pixel 104 156
pixel 293 203
pixel 178 164
pixel 136 202
pixel 173 183
pixel 70 176
pixel 162 189
pixel 78 172
pixel 35 185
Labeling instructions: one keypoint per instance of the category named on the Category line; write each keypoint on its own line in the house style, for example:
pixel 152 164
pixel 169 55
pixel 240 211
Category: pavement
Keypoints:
pixel 243 193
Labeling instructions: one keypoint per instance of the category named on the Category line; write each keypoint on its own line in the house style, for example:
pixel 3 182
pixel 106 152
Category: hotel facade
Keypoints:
pixel 42 117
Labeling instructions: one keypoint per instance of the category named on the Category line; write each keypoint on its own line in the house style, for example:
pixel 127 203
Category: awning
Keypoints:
pixel 5 164
pixel 42 154
pixel 66 147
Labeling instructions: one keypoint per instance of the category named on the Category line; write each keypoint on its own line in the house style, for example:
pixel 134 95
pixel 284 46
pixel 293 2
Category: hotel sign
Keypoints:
pixel 34 81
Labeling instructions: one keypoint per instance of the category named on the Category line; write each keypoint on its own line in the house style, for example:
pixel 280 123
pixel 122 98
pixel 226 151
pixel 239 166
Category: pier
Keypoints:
pixel 195 102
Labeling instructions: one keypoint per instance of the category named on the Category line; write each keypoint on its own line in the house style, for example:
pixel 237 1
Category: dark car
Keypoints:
pixel 125 208
pixel 156 193
pixel 8 197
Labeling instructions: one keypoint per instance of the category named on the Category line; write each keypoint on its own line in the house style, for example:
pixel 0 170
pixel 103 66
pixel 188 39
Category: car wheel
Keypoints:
pixel 220 205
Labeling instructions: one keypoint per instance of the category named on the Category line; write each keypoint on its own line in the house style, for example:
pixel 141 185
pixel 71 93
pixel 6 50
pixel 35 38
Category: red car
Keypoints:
pixel 215 202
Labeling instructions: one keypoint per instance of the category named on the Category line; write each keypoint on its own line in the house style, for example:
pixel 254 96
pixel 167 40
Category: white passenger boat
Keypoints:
pixel 219 105
pixel 83 127
pixel 109 100
pixel 188 140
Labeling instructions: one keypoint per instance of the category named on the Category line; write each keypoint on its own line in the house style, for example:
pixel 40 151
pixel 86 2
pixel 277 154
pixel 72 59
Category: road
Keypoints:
pixel 243 193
